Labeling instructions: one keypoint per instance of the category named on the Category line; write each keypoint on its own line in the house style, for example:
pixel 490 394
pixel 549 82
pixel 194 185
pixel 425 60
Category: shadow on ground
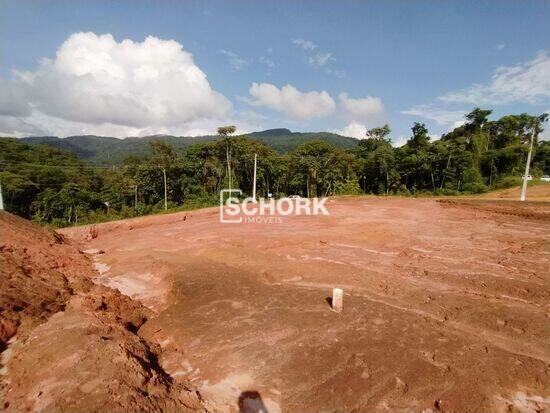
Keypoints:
pixel 250 401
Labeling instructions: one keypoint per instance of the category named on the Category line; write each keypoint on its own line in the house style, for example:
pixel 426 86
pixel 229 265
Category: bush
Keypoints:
pixel 403 191
pixel 475 188
pixel 507 182
pixel 446 192
pixel 144 209
pixel 347 188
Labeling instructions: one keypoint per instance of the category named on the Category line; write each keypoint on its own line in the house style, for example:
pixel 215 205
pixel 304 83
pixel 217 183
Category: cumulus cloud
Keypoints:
pixel 526 82
pixel 440 116
pixel 353 130
pixel 304 44
pixel 362 109
pixel 235 61
pixel 361 113
pixel 291 102
pixel 95 83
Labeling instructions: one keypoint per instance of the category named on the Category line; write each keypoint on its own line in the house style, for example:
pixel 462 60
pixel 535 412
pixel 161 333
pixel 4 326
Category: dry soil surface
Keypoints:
pixel 446 304
pixel 538 192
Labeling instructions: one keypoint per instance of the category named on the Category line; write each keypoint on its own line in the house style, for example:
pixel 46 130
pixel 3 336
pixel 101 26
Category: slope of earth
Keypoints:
pixel 446 306
pixel 68 344
pixel 536 192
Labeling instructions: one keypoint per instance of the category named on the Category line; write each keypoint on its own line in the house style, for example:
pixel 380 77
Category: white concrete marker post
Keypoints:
pixel 337 299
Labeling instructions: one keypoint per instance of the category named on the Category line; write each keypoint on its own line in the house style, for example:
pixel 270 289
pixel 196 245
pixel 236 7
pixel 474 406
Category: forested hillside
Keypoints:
pixel 103 150
pixel 52 185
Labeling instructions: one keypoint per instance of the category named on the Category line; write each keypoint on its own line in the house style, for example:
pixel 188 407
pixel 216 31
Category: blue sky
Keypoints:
pixel 349 64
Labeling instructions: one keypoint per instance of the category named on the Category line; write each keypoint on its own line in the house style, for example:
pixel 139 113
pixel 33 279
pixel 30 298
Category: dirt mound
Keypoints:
pixel 69 344
pixel 40 272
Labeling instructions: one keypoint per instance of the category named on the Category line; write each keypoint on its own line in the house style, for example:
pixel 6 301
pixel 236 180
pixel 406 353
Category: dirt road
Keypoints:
pixel 446 304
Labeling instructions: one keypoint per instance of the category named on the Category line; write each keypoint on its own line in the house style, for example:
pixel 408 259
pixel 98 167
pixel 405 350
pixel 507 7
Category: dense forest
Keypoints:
pixel 54 186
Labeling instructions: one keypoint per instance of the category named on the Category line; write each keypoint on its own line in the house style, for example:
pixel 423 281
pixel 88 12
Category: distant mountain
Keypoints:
pixel 109 150
pixel 283 140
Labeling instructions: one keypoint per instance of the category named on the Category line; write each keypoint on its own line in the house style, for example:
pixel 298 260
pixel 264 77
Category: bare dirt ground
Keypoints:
pixel 446 304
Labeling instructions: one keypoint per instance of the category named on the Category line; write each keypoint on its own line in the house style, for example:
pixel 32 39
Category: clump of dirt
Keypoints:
pixel 73 345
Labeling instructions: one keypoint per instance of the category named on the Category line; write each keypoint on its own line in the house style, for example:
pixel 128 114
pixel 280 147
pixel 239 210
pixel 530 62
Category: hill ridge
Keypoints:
pixel 109 149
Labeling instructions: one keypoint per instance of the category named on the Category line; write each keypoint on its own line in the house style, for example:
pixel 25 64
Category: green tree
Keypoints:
pixel 163 157
pixel 226 132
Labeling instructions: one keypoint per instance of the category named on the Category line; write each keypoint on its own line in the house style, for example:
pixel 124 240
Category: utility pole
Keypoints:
pixel 165 190
pixel 229 167
pixel 527 165
pixel 135 196
pixel 1 199
pixel 228 159
pixel 254 187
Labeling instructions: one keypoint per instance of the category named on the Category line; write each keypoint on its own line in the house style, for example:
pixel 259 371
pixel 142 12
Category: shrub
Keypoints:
pixel 507 182
pixel 475 188
pixel 348 188
pixel 446 192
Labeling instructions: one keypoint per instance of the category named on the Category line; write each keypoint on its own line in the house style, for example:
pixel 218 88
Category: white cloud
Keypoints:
pixel 500 46
pixel 365 109
pixel 267 62
pixel 353 130
pixel 236 62
pixel 96 84
pixel 321 59
pixel 526 82
pixel 400 141
pixel 359 131
pixel 440 116
pixel 304 44
pixel 290 101
pixel 39 124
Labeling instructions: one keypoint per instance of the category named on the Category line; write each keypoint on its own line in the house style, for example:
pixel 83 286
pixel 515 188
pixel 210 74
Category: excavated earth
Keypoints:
pixel 446 308
pixel 67 344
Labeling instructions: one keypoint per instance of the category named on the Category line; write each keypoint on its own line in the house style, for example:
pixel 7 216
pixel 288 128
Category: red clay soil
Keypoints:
pixel 68 344
pixel 537 192
pixel 446 304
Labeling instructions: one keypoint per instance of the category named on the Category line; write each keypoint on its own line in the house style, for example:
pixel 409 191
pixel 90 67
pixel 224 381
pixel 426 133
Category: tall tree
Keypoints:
pixel 163 157
pixel 226 132
pixel 536 129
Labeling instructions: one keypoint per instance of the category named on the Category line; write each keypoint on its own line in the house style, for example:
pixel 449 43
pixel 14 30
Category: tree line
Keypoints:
pixel 55 187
